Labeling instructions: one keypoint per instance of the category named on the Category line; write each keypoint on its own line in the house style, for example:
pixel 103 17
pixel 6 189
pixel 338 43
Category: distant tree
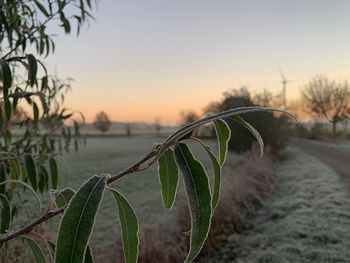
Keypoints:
pixel 128 129
pixel 264 98
pixel 157 125
pixel 102 122
pixel 270 126
pixel 188 117
pixel 328 99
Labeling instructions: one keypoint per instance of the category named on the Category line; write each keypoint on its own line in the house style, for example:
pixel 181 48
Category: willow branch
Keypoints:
pixel 137 167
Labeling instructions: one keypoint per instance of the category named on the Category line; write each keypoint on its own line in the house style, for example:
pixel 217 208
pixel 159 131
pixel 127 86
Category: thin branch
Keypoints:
pixel 30 227
pixel 49 214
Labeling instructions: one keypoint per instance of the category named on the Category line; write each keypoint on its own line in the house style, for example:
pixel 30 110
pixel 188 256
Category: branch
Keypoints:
pixel 29 227
pixel 49 214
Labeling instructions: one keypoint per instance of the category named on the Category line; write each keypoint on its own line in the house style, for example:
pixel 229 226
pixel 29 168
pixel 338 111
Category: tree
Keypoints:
pixel 158 125
pixel 328 99
pixel 128 129
pixel 269 126
pixel 189 116
pixel 102 123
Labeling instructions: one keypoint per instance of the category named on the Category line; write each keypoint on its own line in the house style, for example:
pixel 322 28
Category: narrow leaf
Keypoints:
pixel 169 177
pixel 52 247
pixel 253 131
pixel 217 176
pixel 26 186
pixel 129 227
pixel 63 197
pixel 31 170
pixel 42 8
pixel 35 115
pixel 223 134
pixel 8 110
pixel 192 126
pixel 32 69
pixel 37 252
pixel 54 173
pixel 198 194
pixel 78 220
pixel 2 178
pixel 6 77
pixel 5 214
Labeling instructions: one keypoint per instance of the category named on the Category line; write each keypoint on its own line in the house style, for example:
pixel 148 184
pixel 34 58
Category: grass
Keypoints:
pixel 246 181
pixel 308 219
pixel 110 155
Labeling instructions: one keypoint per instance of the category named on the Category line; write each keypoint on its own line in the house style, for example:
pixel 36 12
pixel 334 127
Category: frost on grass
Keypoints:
pixel 308 220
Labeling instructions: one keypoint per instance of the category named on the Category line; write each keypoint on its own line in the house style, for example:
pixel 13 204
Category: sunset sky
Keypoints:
pixel 145 59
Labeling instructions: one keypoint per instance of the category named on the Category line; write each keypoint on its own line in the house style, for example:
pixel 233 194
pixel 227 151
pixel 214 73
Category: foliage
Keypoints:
pixel 79 216
pixel 102 123
pixel 25 85
pixel 328 99
pixel 271 127
pixel 32 112
pixel 29 160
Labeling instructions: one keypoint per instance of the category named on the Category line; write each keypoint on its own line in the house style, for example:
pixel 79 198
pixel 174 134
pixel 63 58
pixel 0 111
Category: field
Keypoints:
pixel 110 155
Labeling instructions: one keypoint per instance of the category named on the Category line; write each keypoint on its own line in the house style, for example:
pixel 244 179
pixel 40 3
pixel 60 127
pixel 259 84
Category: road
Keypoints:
pixel 337 159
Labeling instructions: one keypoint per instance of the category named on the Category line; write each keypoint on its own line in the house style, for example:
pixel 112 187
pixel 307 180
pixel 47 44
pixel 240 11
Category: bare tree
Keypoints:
pixel 263 98
pixel 102 122
pixel 128 129
pixel 328 99
pixel 158 125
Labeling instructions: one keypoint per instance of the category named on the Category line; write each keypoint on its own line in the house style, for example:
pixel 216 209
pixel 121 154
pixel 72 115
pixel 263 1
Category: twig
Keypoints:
pixel 49 214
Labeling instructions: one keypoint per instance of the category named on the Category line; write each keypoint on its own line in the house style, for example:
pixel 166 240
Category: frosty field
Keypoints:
pixel 111 155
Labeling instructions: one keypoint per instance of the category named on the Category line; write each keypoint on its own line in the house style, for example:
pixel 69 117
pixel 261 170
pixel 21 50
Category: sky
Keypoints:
pixel 141 60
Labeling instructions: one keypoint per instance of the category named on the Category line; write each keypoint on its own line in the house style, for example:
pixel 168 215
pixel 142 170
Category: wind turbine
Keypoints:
pixel 284 85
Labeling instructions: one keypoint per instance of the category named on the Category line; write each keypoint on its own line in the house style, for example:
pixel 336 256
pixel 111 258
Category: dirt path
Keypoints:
pixel 336 158
pixel 307 221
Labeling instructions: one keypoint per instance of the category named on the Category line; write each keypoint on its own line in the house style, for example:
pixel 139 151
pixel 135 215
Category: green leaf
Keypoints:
pixel 2 178
pixel 129 227
pixel 175 137
pixel 198 194
pixel 1 119
pixel 32 69
pixel 169 177
pixel 52 247
pixel 88 256
pixel 217 175
pixel 31 170
pixel 8 110
pixel 54 173
pixel 223 134
pixel 42 8
pixel 253 131
pixel 35 115
pixel 6 77
pixel 78 220
pixel 37 252
pixel 26 186
pixel 5 214
pixel 63 197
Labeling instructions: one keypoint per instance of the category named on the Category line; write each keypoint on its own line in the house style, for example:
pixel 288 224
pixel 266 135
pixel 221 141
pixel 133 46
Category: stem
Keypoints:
pixel 29 227
pixel 49 214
